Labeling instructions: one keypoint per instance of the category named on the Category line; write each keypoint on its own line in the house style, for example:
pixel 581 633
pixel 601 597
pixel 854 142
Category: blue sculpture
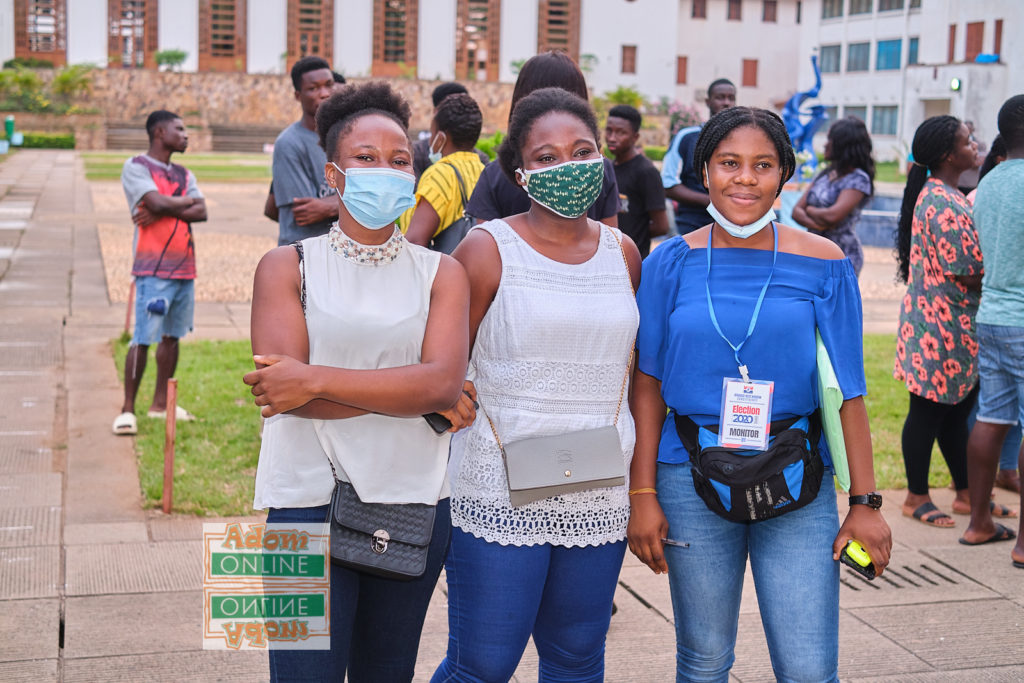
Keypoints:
pixel 802 125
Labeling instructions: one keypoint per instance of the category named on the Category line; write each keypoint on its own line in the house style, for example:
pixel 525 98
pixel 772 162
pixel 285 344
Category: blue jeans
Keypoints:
pixel 796 579
pixel 498 595
pixel 163 308
pixel 375 622
pixel 1001 372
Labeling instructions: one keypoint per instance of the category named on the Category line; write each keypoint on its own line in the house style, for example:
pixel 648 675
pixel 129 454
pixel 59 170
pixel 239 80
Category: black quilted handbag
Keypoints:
pixel 388 540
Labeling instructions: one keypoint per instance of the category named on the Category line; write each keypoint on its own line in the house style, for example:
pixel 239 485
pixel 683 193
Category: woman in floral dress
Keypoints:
pixel 936 351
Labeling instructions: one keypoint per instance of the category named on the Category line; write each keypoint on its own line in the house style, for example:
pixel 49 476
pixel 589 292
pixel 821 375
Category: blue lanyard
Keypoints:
pixel 757 308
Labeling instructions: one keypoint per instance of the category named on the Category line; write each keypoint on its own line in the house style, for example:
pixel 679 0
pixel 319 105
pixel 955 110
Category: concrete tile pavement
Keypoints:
pixel 92 588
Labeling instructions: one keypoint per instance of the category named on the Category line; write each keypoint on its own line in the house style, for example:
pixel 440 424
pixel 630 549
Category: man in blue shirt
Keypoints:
pixel 1000 322
pixel 683 183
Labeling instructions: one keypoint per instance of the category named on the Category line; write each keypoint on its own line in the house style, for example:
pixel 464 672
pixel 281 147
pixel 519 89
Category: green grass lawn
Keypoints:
pixel 207 167
pixel 215 456
pixel 889 171
pixel 215 461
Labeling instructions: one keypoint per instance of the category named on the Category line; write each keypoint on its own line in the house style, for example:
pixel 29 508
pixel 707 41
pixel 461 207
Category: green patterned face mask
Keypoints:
pixel 568 189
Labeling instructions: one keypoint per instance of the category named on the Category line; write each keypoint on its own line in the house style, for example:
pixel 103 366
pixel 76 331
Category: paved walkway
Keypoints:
pixel 93 588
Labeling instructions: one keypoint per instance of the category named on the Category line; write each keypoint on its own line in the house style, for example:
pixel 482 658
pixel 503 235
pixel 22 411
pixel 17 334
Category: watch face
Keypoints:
pixel 875 500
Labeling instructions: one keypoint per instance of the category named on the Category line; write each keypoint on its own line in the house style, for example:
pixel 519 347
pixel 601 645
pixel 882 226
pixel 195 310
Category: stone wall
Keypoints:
pixel 90 129
pixel 235 99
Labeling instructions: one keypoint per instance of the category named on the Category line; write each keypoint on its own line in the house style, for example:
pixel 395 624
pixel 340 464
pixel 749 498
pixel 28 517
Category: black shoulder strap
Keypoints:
pixel 302 275
pixel 462 185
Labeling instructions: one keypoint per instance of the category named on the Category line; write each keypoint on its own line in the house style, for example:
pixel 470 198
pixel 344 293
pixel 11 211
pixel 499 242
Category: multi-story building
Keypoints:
pixel 894 63
pixel 891 62
pixel 663 48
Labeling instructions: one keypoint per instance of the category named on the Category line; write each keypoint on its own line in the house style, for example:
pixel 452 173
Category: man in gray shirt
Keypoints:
pixel 300 189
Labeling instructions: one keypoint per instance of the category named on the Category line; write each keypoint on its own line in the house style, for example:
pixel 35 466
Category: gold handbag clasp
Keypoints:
pixel 379 541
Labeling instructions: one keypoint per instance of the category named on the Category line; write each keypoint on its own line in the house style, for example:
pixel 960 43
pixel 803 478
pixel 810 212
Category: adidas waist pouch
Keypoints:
pixel 744 485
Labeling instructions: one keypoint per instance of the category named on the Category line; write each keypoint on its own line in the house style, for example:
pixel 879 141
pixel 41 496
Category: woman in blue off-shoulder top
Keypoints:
pixel 727 313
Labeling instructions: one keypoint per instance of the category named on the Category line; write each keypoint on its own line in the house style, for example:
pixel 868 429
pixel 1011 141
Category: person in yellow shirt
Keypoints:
pixel 454 132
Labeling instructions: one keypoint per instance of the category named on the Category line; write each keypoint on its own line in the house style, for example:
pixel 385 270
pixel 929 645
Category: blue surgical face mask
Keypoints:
pixel 376 197
pixel 740 231
pixel 436 156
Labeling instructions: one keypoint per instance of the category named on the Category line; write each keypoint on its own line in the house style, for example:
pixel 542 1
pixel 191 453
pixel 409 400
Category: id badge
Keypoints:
pixel 746 413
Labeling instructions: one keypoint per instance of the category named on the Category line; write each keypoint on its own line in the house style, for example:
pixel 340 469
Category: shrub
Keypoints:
pixel 28 63
pixel 489 144
pixel 47 140
pixel 171 59
pixel 625 95
pixel 71 81
pixel 655 152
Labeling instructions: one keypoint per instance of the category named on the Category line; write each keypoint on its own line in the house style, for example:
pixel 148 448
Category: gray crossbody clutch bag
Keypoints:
pixel 546 466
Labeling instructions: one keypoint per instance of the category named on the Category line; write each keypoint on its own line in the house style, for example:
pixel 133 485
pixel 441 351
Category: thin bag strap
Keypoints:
pixel 629 358
pixel 462 186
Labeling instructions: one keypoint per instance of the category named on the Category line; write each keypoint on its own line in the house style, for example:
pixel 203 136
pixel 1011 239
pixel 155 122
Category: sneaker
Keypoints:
pixel 125 424
pixel 180 414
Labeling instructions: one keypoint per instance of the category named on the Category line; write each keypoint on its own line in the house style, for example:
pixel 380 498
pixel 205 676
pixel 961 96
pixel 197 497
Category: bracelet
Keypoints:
pixel 634 492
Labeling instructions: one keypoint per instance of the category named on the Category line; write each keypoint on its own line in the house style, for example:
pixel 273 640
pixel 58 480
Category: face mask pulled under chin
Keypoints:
pixel 734 229
pixel 433 156
pixel 376 197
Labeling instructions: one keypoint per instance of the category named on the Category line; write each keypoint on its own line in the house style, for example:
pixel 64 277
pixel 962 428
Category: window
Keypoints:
pixel 951 53
pixel 831 8
pixel 222 35
pixel 915 4
pixel 858 57
pixel 132 41
pixel 478 43
pixel 770 11
pixel 559 27
pixel 735 10
pixel 886 5
pixel 699 9
pixel 856 112
pixel 912 51
pixel 887 55
pixel 828 59
pixel 831 113
pixel 883 120
pixel 975 37
pixel 799 10
pixel 45 30
pixel 861 6
pixel 629 59
pixel 749 73
pixel 681 70
pixel 997 43
pixel 394 37
pixel 311 29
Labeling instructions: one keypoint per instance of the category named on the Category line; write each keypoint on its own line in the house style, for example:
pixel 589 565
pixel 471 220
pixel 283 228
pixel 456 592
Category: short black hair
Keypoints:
pixel 338 78
pixel 624 111
pixel 728 120
pixel 459 117
pixel 158 117
pixel 1011 121
pixel 531 108
pixel 551 69
pixel 851 148
pixel 444 90
pixel 720 81
pixel 335 116
pixel 305 65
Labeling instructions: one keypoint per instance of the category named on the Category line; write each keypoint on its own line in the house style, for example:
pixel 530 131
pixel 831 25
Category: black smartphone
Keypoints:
pixel 856 558
pixel 438 422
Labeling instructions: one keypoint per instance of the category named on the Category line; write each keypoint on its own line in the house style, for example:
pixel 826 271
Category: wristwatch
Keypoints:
pixel 873 500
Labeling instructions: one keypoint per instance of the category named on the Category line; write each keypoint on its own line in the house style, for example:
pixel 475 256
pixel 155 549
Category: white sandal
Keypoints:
pixel 125 424
pixel 180 414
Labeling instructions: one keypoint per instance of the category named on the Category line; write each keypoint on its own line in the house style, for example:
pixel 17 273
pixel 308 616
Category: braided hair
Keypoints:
pixel 335 116
pixel 728 120
pixel 933 142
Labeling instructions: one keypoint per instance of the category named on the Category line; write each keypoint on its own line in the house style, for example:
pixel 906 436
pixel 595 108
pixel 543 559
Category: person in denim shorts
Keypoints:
pixel 164 201
pixel 997 211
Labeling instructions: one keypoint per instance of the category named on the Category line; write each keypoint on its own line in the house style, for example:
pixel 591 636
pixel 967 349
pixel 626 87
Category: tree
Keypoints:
pixel 71 81
pixel 170 60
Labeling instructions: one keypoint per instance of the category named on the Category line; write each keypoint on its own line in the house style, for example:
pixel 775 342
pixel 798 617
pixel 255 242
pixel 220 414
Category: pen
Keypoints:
pixel 678 544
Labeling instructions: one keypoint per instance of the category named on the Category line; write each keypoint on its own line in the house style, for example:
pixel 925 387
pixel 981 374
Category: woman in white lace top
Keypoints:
pixel 552 324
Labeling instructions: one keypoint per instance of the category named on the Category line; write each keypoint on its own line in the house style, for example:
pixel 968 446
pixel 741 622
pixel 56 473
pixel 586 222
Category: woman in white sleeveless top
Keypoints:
pixel 553 317
pixel 358 333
